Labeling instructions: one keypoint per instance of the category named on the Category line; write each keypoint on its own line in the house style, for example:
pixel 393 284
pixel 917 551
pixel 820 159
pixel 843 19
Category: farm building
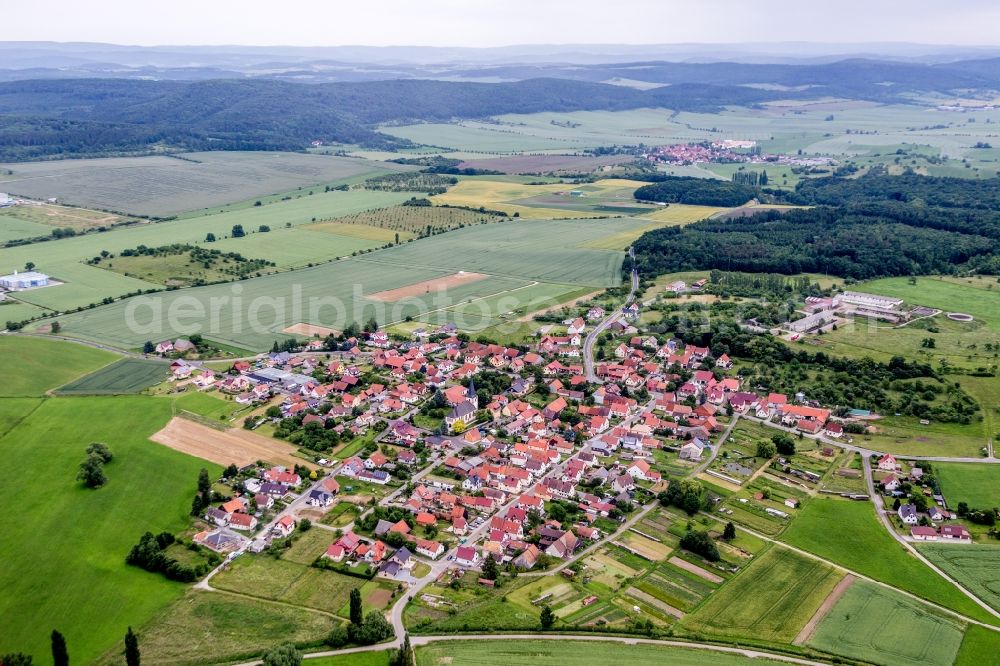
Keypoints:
pixel 17 281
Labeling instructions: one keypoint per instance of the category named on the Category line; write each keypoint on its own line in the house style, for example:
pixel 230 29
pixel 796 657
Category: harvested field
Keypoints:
pixel 427 286
pixel 224 446
pixel 695 569
pixel 310 330
pixel 824 609
pixel 647 548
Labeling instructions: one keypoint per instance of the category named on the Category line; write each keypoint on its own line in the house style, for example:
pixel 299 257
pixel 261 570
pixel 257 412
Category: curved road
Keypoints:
pixel 588 343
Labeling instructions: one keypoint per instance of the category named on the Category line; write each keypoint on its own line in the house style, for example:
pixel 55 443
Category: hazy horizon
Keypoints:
pixel 518 23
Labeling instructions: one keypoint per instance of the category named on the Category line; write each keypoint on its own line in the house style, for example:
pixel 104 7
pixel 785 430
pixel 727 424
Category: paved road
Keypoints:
pixel 591 339
pixel 708 647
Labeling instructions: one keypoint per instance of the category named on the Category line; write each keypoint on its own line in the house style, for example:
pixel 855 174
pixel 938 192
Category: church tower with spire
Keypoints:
pixel 471 395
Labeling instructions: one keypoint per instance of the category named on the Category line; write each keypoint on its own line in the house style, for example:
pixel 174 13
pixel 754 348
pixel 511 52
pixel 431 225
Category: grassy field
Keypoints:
pixel 767 600
pixel 63 549
pixel 980 646
pixel 289 582
pixel 881 626
pixel 979 485
pixel 160 186
pixel 129 375
pixel 14 228
pixel 976 296
pixel 355 659
pixel 514 254
pixel 33 366
pixel 558 653
pixel 849 534
pixel 976 567
pixel 215 627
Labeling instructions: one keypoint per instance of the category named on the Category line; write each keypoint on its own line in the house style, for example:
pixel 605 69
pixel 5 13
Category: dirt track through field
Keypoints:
pixel 824 609
pixel 426 287
pixel 223 447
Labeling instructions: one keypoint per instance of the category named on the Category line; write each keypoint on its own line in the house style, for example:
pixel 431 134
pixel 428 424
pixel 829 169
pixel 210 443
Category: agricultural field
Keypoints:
pixel 975 566
pixel 862 545
pixel 609 197
pixel 372 658
pixel 979 646
pixel 216 627
pixel 539 164
pixel 767 600
pixel 978 485
pixel 129 375
pixel 98 594
pixel 382 224
pixel 672 215
pixel 49 216
pixel 567 651
pixel 33 366
pixel 286 245
pixel 14 228
pixel 878 625
pixel 160 186
pixel 514 254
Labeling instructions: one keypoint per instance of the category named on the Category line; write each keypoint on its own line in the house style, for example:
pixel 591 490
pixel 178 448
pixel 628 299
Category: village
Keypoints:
pixel 441 457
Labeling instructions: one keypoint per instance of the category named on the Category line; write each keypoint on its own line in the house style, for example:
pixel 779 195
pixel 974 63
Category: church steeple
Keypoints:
pixel 471 394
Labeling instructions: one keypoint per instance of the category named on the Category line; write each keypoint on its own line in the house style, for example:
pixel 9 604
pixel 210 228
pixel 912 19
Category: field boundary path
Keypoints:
pixel 824 609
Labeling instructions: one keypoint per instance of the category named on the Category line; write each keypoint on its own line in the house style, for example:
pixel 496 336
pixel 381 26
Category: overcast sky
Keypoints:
pixel 499 22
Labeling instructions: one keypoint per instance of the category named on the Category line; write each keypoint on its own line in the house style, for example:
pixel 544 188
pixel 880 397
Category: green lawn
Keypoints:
pixel 878 625
pixel 210 405
pixel 64 545
pixel 129 375
pixel 561 652
pixel 32 366
pixel 848 533
pixel 975 566
pixel 979 485
pixel 215 627
pixel 767 600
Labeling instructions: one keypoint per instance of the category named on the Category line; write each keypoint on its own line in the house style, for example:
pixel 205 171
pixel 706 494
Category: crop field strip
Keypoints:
pixel 128 375
pixel 160 186
pixel 765 600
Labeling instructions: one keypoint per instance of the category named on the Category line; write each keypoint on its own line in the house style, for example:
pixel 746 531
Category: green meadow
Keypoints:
pixel 64 546
pixel 978 485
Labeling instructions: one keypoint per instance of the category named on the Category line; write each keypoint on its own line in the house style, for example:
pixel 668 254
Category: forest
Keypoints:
pixel 909 187
pixel 696 191
pixel 80 117
pixel 861 241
